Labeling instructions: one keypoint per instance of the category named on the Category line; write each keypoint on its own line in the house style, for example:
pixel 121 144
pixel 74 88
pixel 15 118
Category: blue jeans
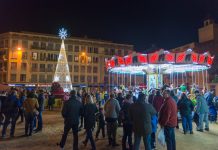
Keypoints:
pixel 39 119
pixel 170 138
pixel 187 120
pixel 203 118
pixel 146 139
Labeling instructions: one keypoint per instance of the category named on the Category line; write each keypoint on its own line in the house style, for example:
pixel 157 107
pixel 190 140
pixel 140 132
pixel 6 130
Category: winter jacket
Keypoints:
pixel 185 107
pixel 30 104
pixel 72 110
pixel 41 99
pixel 202 106
pixel 140 115
pixel 10 105
pixel 51 100
pixel 125 112
pixel 154 122
pixel 112 108
pixel 100 119
pixel 168 113
pixel 158 102
pixel 89 116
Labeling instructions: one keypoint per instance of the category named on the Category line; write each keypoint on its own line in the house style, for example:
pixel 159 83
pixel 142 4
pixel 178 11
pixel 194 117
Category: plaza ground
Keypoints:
pixel 53 129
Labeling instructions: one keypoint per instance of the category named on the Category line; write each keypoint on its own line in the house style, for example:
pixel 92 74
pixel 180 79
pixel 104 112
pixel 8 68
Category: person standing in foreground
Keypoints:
pixel 71 113
pixel 202 110
pixel 112 109
pixel 140 115
pixel 168 119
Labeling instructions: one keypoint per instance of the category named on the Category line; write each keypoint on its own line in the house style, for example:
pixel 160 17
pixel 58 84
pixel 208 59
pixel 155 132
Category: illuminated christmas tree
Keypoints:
pixel 62 74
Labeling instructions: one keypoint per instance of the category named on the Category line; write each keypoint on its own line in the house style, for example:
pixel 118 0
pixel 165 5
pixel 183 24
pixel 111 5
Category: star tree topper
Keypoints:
pixel 63 33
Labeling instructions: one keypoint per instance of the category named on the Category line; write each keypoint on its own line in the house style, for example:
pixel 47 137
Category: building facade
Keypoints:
pixel 31 58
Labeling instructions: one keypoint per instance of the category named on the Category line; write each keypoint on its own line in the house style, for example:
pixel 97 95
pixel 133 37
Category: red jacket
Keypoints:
pixel 158 102
pixel 168 113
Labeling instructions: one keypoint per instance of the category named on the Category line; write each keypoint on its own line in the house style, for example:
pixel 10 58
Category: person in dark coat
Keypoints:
pixel 120 99
pixel 100 123
pixel 151 96
pixel 10 113
pixel 127 124
pixel 71 113
pixel 186 107
pixel 168 119
pixel 158 101
pixel 20 105
pixel 51 101
pixel 140 115
pixel 90 110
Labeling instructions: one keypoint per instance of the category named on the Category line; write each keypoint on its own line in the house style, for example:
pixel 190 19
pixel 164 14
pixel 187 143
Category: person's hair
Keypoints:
pixel 141 97
pixel 183 96
pixel 112 95
pixel 73 93
pixel 197 92
pixel 89 99
pixel 30 95
pixel 167 92
pixel 128 96
pixel 172 93
pixel 158 93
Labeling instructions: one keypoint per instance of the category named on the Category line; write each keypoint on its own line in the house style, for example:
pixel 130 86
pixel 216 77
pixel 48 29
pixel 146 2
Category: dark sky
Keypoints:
pixel 164 23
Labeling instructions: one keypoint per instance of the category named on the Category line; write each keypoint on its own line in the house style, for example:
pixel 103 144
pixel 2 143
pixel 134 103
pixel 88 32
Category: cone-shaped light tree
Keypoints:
pixel 62 74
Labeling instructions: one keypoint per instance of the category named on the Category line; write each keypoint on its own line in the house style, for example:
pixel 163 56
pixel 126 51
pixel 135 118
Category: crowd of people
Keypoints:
pixel 138 113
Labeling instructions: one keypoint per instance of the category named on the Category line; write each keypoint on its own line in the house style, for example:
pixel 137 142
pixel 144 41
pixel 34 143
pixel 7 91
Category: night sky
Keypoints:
pixel 143 23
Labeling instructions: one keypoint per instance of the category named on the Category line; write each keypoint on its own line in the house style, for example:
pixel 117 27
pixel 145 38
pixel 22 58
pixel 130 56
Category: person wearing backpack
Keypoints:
pixel 186 107
pixel 10 113
pixel 30 106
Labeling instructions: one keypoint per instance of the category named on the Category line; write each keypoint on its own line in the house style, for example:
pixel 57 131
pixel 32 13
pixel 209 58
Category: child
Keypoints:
pixel 100 122
pixel 154 122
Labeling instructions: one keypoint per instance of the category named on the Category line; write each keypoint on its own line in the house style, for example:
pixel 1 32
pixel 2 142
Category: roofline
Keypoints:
pixel 70 38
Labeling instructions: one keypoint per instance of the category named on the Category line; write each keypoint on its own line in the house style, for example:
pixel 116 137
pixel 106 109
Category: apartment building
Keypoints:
pixel 30 58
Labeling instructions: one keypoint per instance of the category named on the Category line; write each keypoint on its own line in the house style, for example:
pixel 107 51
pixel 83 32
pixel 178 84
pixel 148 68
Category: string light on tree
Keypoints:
pixel 62 74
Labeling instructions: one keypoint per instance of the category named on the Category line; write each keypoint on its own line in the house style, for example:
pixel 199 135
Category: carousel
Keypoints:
pixel 160 67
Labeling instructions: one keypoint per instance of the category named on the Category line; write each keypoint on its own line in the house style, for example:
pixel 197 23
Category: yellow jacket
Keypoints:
pixel 30 104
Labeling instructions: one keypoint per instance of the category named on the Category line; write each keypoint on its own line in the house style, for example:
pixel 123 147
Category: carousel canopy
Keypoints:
pixel 161 61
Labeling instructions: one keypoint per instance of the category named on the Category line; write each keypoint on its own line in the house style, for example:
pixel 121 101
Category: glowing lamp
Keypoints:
pixel 201 59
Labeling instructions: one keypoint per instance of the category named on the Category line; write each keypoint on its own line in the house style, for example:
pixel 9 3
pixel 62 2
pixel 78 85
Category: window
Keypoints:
pixel 70 68
pixel 24 43
pixel 34 78
pixel 76 68
pixel 70 58
pixel 23 77
pixel 41 78
pixel 14 55
pixel 119 52
pixel 13 77
pixel 76 78
pixel 89 69
pixel 34 67
pixel 89 59
pixel 95 59
pixel 83 59
pixel 90 49
pixel 49 78
pixel 24 55
pixel 96 50
pixel 70 48
pixel 13 66
pixel 76 59
pixel 34 56
pixel 1 44
pixel 14 43
pixel 106 51
pixel 112 51
pixel 50 67
pixel 82 78
pixel 89 79
pixel 95 69
pixel 42 67
pixel 82 69
pixel 55 57
pixel 95 79
pixel 57 46
pixel 50 46
pixel 23 66
pixel 6 43
pixel 43 45
pixel 35 45
pixel 125 52
pixel 76 48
